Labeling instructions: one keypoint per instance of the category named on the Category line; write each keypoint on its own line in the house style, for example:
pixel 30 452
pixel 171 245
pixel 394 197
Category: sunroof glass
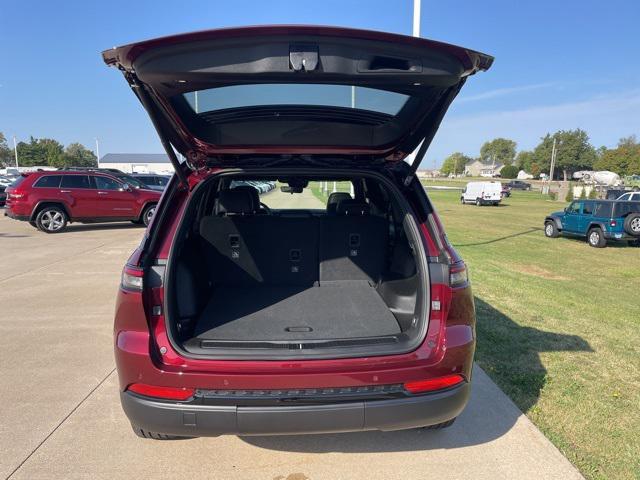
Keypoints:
pixel 237 96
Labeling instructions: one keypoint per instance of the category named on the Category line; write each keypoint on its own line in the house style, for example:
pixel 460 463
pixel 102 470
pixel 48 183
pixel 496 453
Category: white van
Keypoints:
pixel 482 193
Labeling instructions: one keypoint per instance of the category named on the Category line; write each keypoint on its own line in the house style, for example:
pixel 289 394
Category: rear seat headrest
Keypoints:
pixel 334 199
pixel 352 207
pixel 253 193
pixel 235 202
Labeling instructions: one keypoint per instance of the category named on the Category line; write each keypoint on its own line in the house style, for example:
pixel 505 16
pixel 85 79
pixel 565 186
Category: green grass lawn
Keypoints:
pixel 558 327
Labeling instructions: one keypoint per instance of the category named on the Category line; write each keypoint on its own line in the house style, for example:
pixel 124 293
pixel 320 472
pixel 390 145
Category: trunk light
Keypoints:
pixel 169 393
pixel 132 278
pixel 458 275
pixel 432 384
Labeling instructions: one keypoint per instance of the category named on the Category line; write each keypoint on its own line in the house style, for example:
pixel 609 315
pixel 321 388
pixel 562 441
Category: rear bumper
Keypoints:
pixel 185 419
pixel 619 236
pixel 10 214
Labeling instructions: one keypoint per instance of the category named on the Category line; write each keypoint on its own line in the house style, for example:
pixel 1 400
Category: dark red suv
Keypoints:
pixel 51 199
pixel 249 310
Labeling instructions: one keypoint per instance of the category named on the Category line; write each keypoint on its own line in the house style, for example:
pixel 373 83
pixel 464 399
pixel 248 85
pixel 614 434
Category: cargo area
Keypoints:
pixel 252 279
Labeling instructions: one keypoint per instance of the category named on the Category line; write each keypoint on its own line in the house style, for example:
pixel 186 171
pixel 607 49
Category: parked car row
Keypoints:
pixel 49 200
pixel 261 187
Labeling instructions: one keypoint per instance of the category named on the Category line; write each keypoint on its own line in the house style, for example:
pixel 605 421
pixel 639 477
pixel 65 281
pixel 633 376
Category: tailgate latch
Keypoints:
pixel 303 57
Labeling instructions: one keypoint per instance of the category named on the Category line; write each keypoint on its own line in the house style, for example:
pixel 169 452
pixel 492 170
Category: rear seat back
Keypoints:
pixel 261 250
pixel 353 244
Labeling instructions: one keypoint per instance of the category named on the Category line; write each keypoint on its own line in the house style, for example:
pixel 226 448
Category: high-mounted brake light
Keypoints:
pixel 132 278
pixel 168 393
pixel 432 384
pixel 458 275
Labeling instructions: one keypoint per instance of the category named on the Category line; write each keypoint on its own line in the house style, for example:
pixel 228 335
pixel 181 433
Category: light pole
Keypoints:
pixel 15 150
pixel 98 151
pixel 416 18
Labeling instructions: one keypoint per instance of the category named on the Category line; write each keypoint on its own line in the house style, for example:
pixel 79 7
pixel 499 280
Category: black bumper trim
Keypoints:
pixel 193 420
pixel 10 214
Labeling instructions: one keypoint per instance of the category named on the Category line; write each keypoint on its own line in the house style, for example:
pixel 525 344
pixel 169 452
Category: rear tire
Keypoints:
pixel 595 238
pixel 550 230
pixel 51 219
pixel 153 435
pixel 147 214
pixel 632 224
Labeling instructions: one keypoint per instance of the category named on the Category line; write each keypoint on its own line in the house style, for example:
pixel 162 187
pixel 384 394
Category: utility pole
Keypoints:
pixel 416 18
pixel 553 160
pixel 353 96
pixel 15 150
pixel 546 188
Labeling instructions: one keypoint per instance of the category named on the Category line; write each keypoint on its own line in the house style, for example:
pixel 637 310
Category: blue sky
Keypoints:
pixel 559 64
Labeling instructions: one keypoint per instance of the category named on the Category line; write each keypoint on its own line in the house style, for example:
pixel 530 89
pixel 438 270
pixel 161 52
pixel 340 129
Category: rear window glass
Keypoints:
pixel 75 181
pixel 48 181
pixel 624 208
pixel 602 209
pixel 18 181
pixel 324 95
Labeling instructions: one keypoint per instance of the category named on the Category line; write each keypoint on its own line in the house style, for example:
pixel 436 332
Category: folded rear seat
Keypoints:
pixel 353 244
pixel 253 250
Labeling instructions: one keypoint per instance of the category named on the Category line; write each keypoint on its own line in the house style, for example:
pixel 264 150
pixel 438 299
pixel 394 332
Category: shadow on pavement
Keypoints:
pixel 86 227
pixel 504 348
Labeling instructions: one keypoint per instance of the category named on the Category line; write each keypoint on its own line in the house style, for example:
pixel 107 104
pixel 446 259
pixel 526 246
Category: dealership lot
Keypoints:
pixel 61 417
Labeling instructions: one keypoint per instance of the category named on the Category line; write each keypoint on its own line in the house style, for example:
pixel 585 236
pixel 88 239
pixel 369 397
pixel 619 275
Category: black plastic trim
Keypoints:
pixel 197 420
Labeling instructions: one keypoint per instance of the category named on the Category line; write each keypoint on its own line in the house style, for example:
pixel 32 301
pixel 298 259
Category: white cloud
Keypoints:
pixel 605 118
pixel 499 92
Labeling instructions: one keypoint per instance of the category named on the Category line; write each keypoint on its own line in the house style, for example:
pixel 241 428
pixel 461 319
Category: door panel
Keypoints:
pixel 114 201
pixel 78 192
pixel 570 222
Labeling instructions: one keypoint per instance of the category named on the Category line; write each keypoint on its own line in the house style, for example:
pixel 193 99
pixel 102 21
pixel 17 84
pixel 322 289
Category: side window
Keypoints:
pixel 574 208
pixel 587 208
pixel 76 181
pixel 625 196
pixel 162 181
pixel 106 183
pixel 636 197
pixel 48 181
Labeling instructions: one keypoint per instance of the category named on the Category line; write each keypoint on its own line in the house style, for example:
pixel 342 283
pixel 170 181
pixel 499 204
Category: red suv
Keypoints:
pixel 49 200
pixel 238 315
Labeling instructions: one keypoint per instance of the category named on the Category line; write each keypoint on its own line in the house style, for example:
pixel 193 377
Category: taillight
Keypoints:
pixel 132 278
pixel 433 384
pixel 167 393
pixel 458 275
pixel 613 223
pixel 16 195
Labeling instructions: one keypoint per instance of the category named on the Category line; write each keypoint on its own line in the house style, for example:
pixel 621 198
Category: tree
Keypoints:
pixel 498 150
pixel 573 152
pixel 76 155
pixel 454 163
pixel 509 171
pixel 43 151
pixel 623 160
pixel 524 161
pixel 6 155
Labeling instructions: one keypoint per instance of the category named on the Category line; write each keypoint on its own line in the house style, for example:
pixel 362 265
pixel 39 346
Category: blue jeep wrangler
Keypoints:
pixel 598 221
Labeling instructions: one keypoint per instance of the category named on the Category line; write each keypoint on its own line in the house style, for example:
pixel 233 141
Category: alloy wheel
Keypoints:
pixel 52 220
